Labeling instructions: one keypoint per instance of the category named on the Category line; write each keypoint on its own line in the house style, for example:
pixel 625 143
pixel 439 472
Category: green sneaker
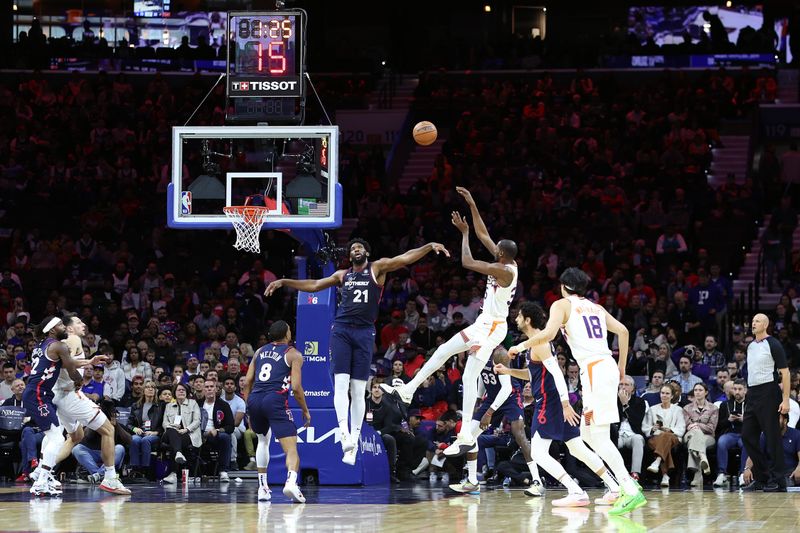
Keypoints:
pixel 626 525
pixel 627 503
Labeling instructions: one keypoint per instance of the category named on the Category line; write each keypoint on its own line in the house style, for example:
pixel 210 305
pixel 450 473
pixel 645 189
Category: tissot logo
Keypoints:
pixel 259 86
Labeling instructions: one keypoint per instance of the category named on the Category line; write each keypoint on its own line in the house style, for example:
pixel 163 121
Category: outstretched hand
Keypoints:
pixel 572 418
pixel 466 195
pixel 500 369
pixel 439 248
pixel 460 222
pixel 272 287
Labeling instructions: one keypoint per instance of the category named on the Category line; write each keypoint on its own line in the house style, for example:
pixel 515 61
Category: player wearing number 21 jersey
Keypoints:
pixel 353 333
pixel 274 370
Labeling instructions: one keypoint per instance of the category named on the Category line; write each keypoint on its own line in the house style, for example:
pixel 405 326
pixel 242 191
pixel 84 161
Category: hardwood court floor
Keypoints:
pixel 404 509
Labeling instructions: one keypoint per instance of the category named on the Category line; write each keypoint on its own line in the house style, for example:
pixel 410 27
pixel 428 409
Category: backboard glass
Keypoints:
pixel 293 167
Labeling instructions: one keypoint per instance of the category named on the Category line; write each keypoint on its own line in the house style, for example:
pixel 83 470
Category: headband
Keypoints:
pixel 50 325
pixel 568 287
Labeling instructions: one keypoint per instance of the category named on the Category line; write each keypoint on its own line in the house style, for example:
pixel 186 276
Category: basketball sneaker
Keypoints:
pixel 465 487
pixel 291 490
pixel 463 443
pixel 536 489
pixel 721 480
pixel 264 494
pixel 44 487
pixel 114 486
pixel 397 392
pixel 349 458
pixel 608 498
pixel 580 499
pixel 347 443
pixel 34 476
pixel 627 502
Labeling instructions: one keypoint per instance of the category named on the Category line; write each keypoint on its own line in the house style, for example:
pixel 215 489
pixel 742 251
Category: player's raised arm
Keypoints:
pixel 559 312
pixel 295 359
pixel 480 228
pixel 499 271
pixel 390 264
pixel 308 285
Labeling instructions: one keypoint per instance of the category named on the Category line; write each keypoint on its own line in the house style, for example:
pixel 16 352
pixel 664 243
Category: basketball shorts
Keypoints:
pixel 75 409
pixel 482 337
pixel 40 407
pixel 600 382
pixel 270 410
pixel 351 350
pixel 548 417
pixel 511 409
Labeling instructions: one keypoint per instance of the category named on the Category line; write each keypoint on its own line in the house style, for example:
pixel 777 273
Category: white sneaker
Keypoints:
pixel 349 458
pixel 665 480
pixel 398 393
pixel 264 494
pixel 43 487
pixel 223 477
pixel 171 479
pixel 573 500
pixel 180 458
pixel 291 490
pixel 114 486
pixel 463 443
pixel 536 489
pixel 347 443
pixel 721 480
pixel 608 498
pixel 53 481
pixel 654 466
pixel 704 466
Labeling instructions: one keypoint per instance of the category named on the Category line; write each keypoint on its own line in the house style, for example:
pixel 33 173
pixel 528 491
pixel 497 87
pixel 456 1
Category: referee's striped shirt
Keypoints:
pixel 764 358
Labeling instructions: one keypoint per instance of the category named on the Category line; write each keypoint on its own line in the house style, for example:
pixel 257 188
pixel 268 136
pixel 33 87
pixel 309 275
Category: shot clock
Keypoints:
pixel 266 54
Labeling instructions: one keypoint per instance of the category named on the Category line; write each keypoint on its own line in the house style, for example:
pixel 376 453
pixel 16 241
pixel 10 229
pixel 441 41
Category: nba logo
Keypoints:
pixel 186 203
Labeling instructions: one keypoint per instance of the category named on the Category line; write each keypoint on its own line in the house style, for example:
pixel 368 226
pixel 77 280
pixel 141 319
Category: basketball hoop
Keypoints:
pixel 247 221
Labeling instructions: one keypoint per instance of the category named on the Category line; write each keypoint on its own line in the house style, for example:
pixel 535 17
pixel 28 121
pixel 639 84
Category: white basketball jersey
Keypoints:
pixel 586 330
pixel 65 383
pixel 497 299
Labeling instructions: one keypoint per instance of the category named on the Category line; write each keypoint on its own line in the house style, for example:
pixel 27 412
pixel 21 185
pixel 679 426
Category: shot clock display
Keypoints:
pixel 265 54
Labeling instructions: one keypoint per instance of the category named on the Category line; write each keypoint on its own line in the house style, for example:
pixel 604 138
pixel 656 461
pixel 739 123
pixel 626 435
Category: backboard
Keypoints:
pixel 294 168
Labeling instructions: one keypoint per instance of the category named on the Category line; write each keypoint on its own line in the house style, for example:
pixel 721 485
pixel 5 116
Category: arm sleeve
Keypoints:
pixel 778 353
pixel 504 393
pixel 551 364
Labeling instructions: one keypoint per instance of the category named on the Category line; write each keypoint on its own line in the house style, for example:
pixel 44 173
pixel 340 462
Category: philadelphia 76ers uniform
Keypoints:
pixel 268 405
pixel 38 395
pixel 511 407
pixel 353 331
pixel 548 415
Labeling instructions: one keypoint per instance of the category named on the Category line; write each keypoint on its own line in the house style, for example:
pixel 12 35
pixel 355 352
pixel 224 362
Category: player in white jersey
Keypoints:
pixel 481 338
pixel 585 326
pixel 76 411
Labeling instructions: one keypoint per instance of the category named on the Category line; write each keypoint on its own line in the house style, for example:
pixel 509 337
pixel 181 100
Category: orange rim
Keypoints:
pixel 247 213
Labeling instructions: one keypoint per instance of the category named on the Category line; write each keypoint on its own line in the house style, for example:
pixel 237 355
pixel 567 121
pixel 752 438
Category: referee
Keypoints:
pixel 765 359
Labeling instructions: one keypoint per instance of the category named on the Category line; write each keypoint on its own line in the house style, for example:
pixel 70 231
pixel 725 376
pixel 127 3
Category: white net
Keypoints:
pixel 247 221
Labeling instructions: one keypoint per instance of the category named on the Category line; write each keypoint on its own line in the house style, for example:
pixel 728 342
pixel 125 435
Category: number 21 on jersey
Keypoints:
pixel 360 296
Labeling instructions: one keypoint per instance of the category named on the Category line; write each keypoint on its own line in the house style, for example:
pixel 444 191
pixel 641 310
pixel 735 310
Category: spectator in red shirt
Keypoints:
pixel 645 293
pixel 391 331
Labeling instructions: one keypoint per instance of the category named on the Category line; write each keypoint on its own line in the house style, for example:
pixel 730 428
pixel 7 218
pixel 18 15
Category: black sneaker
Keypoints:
pixel 753 486
pixel 774 487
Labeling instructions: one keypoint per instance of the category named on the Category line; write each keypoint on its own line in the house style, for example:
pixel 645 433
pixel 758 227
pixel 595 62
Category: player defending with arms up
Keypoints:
pixel 276 367
pixel 353 331
pixel 585 326
pixel 489 329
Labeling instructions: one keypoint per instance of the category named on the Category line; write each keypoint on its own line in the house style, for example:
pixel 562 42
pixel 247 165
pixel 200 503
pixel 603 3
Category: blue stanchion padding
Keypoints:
pixel 320 449
pixel 315 311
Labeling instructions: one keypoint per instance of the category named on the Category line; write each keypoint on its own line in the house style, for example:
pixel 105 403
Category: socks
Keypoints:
pixel 111 473
pixel 341 402
pixel 291 478
pixel 262 481
pixel 567 481
pixel 422 466
pixel 472 471
pixel 609 480
pixel 534 470
pixel 358 407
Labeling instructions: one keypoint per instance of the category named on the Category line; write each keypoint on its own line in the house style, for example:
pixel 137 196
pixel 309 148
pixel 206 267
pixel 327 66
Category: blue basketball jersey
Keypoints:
pixel 543 386
pixel 491 381
pixel 360 296
pixel 44 372
pixel 272 373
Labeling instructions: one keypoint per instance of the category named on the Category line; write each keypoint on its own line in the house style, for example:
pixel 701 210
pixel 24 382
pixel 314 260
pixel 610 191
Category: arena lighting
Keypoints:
pixel 15 6
pixel 728 3
pixel 487 8
pixel 165 37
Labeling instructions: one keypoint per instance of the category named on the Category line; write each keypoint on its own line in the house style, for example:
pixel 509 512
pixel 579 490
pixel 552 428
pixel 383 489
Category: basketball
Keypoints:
pixel 425 133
